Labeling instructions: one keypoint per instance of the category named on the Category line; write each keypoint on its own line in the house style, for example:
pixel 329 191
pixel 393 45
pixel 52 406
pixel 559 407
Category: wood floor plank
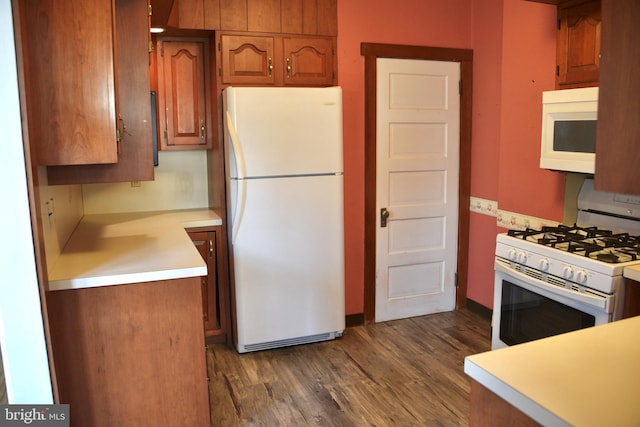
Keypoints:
pixel 406 372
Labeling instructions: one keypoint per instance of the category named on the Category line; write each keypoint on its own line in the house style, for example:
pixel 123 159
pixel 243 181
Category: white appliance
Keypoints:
pixel 285 193
pixel 560 279
pixel 569 118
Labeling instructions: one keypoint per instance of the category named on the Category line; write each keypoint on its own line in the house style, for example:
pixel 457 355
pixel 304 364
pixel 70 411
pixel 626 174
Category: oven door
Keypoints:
pixel 526 308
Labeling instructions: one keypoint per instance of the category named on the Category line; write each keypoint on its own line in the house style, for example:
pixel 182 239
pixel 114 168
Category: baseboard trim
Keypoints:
pixel 357 319
pixel 354 320
pixel 479 309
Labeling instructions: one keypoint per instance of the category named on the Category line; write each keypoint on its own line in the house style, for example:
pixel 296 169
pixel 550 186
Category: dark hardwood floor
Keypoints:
pixel 401 373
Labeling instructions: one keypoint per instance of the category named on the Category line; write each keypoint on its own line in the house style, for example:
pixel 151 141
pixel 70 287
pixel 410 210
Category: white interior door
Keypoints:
pixel 417 163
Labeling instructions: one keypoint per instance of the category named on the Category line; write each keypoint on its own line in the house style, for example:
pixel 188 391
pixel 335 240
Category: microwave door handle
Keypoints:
pixel 604 303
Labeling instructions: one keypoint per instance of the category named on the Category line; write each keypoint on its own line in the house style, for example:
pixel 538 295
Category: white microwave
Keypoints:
pixel 569 118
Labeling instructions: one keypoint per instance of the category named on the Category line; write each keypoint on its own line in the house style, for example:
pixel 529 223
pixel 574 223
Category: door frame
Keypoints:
pixel 371 52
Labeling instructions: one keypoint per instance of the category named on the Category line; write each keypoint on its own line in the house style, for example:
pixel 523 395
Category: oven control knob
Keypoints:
pixel 544 264
pixel 522 257
pixel 581 277
pixel 512 254
pixel 567 272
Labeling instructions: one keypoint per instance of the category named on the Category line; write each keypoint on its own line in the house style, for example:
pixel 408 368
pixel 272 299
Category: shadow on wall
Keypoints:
pixel 3 388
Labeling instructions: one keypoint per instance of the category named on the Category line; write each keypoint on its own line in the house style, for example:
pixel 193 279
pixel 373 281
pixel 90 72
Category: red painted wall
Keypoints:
pixel 514 59
pixel 529 41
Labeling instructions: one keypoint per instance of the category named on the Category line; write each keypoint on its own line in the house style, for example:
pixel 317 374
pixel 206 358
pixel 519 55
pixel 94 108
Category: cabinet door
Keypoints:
pixel 204 242
pixel 68 51
pixel 247 60
pixel 135 162
pixel 578 50
pixel 308 61
pixel 618 130
pixel 182 93
pixel 215 300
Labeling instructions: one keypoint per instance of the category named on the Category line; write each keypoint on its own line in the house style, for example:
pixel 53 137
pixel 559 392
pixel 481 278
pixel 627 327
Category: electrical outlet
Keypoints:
pixel 136 184
pixel 50 211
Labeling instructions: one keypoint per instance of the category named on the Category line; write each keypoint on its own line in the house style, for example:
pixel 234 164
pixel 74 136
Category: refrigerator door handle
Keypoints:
pixel 240 185
pixel 237 150
pixel 239 208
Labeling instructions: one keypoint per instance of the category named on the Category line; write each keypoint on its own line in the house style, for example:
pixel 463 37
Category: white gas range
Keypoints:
pixel 559 279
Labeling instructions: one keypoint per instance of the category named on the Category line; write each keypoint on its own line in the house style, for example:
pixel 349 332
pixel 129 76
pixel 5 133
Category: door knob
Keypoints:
pixel 384 214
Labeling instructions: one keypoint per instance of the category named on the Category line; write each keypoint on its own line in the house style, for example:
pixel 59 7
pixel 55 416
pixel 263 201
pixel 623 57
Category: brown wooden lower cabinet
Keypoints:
pixel 216 307
pixel 631 299
pixel 131 355
pixel 489 409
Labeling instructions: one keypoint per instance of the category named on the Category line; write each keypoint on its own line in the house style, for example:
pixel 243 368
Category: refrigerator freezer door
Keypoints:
pixel 288 254
pixel 283 131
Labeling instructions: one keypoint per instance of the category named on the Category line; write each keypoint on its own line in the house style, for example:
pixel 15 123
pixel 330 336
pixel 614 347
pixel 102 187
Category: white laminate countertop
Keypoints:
pixel 632 273
pixel 114 249
pixel 589 377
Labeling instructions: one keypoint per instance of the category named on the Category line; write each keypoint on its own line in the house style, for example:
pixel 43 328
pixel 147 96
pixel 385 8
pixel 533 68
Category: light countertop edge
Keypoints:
pixel 116 249
pixel 516 399
pixel 587 377
pixel 632 273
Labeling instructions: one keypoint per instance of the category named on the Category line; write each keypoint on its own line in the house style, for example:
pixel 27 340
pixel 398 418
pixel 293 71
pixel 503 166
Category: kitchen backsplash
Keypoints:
pixel 61 207
pixel 504 218
pixel 180 183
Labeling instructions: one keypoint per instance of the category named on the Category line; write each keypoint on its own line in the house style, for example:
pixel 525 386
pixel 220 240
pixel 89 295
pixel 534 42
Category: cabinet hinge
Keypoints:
pixel 220 72
pixel 166 136
pixel 219 48
pixel 459 87
pixel 161 50
pixel 149 9
pixel 210 247
pixel 557 70
pixel 559 24
pixel 455 280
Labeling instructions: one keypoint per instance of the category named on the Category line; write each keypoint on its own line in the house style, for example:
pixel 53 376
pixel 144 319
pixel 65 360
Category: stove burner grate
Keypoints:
pixel 599 244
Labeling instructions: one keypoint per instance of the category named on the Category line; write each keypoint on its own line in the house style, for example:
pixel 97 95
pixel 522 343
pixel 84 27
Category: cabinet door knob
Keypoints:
pixel 202 130
pixel 288 67
pixel 270 66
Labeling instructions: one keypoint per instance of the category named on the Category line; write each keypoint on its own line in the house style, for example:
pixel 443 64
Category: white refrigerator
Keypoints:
pixel 286 214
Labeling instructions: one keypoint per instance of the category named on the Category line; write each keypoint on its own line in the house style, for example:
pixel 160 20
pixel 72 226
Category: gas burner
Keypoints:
pixel 607 257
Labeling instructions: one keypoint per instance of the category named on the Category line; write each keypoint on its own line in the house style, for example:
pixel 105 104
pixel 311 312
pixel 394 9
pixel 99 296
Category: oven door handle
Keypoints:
pixel 601 302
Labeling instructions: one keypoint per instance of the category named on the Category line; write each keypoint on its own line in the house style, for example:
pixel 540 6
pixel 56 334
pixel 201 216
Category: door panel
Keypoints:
pixel 418 123
pixel 247 60
pixel 288 254
pixel 182 93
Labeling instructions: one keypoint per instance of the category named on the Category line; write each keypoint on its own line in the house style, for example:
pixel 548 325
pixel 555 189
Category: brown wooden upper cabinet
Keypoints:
pixel 135 161
pixel 578 44
pixel 307 17
pixel 68 50
pixel 183 93
pixel 275 59
pixel 618 130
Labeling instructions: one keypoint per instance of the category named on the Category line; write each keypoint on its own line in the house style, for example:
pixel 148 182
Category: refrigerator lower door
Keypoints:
pixel 288 260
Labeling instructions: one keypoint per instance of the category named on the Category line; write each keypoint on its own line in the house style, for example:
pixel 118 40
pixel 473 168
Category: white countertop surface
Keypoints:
pixel 114 249
pixel 590 377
